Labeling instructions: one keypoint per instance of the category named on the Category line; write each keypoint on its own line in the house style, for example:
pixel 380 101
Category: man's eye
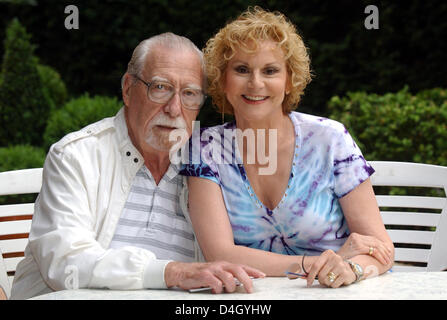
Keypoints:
pixel 161 87
pixel 190 92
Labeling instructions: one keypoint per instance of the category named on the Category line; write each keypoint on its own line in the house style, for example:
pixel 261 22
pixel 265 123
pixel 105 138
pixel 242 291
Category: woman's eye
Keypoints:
pixel 241 69
pixel 270 71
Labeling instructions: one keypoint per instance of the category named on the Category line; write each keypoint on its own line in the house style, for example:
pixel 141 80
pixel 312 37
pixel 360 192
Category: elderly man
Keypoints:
pixel 110 213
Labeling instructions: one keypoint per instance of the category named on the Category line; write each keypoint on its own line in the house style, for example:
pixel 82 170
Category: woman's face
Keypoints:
pixel 255 83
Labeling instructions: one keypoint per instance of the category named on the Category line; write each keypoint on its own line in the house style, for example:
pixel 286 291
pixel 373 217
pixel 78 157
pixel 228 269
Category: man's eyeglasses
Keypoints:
pixel 162 92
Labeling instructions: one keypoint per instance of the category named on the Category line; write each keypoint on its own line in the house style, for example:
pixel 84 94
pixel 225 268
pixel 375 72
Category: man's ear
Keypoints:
pixel 127 84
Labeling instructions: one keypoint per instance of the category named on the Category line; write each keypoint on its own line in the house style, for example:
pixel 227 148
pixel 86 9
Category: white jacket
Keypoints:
pixel 86 180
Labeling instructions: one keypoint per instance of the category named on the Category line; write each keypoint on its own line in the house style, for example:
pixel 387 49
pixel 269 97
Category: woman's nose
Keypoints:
pixel 255 81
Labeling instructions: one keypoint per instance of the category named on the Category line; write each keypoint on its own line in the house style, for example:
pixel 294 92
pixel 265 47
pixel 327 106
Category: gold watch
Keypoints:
pixel 357 269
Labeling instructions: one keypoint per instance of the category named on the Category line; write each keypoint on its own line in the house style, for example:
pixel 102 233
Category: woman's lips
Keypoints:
pixel 254 99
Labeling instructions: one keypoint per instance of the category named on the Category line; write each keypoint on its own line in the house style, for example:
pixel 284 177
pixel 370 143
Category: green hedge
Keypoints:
pixel 21 157
pixel 437 95
pixel 29 91
pixel 396 126
pixel 76 114
pixel 407 49
pixel 54 89
pixel 22 102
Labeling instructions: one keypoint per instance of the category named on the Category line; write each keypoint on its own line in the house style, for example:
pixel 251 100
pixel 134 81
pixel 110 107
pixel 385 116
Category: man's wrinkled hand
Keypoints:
pixel 219 276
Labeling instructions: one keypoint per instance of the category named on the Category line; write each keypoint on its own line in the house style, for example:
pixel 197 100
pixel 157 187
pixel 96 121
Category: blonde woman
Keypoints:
pixel 317 209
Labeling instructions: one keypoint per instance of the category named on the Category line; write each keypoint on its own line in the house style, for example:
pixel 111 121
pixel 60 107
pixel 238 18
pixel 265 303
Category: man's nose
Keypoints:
pixel 174 106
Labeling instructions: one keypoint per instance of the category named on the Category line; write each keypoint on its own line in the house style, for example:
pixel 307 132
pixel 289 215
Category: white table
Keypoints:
pixel 390 286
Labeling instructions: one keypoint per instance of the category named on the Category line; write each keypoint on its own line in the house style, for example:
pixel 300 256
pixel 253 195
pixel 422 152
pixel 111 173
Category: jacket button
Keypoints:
pixel 135 160
pixel 128 153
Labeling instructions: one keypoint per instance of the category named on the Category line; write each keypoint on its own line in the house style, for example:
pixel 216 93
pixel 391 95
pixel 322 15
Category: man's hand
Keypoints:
pixel 213 274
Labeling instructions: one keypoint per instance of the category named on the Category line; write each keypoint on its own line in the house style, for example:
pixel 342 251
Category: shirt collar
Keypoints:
pixel 173 171
pixel 125 143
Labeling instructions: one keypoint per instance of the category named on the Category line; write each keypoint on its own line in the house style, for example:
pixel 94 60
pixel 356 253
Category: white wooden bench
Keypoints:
pixel 15 219
pixel 419 237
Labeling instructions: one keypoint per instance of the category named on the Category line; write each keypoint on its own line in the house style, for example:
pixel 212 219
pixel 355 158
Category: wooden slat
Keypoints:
pixel 13 255
pixel 20 181
pixel 16 218
pixel 13 245
pixel 411 236
pixel 389 173
pixel 411 202
pixel 16 209
pixel 410 218
pixel 14 227
pixel 14 236
pixel 411 255
pixel 408 269
pixel 11 263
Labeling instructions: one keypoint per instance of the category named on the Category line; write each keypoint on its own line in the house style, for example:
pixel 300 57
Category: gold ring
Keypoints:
pixel 371 251
pixel 331 277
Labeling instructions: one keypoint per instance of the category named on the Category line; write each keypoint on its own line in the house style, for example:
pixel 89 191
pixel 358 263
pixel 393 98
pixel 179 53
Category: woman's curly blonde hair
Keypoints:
pixel 251 27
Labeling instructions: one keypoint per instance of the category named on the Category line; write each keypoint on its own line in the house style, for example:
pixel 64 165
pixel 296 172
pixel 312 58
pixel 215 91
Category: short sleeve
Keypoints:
pixel 200 162
pixel 201 170
pixel 350 168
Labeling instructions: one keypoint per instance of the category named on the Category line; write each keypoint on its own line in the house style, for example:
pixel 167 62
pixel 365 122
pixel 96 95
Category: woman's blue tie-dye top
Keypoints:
pixel 327 165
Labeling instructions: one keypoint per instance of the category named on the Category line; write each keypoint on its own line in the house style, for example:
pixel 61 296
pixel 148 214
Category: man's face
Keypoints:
pixel 149 123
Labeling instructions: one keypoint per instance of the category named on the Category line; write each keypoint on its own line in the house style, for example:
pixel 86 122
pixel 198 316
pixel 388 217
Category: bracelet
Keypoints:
pixel 302 266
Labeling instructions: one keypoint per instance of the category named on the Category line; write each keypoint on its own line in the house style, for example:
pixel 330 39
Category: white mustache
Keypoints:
pixel 164 120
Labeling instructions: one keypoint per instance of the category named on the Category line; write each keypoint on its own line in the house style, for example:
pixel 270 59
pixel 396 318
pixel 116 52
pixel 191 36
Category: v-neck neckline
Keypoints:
pixel 248 188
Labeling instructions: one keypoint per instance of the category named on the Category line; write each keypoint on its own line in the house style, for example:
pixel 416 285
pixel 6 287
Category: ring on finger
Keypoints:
pixel 331 277
pixel 371 251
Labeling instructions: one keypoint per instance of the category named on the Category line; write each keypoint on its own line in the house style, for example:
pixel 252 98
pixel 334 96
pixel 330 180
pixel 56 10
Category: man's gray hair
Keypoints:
pixel 167 40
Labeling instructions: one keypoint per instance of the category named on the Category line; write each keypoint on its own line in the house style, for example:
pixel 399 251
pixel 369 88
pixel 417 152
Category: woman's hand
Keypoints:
pixel 358 244
pixel 332 270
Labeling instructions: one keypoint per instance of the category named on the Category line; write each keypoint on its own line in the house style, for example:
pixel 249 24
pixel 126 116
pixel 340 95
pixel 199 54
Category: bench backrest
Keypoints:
pixel 15 219
pixel 417 225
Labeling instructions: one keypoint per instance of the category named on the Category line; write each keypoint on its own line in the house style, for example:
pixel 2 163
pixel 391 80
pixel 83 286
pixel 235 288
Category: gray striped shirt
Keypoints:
pixel 152 218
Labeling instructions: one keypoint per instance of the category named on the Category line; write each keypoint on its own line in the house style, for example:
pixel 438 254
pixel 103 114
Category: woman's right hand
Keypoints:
pixel 358 244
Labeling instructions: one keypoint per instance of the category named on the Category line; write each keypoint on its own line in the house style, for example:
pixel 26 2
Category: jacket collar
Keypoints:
pixel 126 145
pixel 122 131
